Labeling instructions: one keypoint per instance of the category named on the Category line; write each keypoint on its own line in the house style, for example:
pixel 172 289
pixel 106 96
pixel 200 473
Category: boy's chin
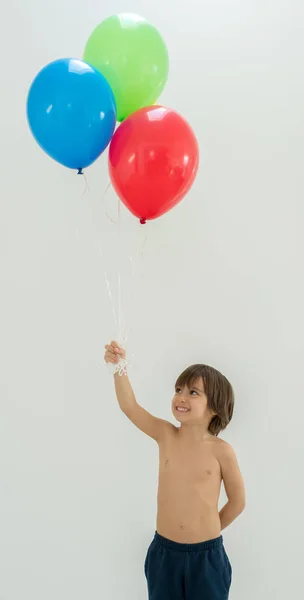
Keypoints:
pixel 181 417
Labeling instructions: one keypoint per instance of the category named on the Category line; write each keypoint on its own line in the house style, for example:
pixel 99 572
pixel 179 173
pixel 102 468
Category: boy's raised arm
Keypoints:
pixel 150 425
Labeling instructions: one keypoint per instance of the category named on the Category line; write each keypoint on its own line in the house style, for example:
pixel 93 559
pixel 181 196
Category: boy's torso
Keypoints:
pixel 188 490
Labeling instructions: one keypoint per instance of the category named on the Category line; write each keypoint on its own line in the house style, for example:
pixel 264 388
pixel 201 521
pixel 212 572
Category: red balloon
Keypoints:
pixel 153 161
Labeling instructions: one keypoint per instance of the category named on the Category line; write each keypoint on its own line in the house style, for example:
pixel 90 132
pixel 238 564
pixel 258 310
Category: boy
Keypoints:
pixel 187 559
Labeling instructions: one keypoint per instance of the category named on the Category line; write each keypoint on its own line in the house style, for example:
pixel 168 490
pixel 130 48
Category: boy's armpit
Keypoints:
pixel 152 426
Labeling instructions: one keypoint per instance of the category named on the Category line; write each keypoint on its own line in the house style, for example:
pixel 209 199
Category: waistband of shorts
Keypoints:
pixel 198 547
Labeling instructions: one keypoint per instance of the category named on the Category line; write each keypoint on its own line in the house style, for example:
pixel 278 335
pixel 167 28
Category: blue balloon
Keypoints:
pixel 71 112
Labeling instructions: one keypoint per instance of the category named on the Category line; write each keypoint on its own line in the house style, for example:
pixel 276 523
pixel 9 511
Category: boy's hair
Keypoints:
pixel 219 392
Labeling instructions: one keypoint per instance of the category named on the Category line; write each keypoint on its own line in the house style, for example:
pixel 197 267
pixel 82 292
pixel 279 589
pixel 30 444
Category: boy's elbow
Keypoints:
pixel 238 505
pixel 241 505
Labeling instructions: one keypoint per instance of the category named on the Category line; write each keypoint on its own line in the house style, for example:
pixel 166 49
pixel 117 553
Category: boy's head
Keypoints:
pixel 203 396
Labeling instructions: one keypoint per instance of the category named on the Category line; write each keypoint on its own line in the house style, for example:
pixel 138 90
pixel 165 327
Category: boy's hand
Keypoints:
pixel 150 425
pixel 114 353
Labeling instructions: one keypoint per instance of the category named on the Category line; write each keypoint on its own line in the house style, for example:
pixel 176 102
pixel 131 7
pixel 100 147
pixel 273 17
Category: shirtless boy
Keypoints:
pixel 187 559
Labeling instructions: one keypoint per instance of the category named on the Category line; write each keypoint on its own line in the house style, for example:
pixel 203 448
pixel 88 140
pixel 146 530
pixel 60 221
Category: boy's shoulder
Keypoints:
pixel 222 448
pixel 221 443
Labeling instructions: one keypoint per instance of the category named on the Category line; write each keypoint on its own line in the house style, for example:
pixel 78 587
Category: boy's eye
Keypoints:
pixel 178 391
pixel 193 392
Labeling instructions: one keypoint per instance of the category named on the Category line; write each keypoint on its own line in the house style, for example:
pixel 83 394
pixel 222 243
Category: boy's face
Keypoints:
pixel 190 405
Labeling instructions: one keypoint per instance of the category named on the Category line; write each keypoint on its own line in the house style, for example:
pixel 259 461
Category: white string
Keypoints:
pixel 110 292
pixel 119 299
pixel 134 271
pixel 102 256
pixel 121 366
pixel 118 307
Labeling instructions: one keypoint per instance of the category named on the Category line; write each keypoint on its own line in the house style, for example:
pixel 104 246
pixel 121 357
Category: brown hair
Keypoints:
pixel 219 392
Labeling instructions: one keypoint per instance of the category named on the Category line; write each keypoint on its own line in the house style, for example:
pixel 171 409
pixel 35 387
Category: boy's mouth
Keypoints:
pixel 182 409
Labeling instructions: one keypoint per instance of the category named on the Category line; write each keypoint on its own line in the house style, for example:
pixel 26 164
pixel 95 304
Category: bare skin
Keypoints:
pixel 192 463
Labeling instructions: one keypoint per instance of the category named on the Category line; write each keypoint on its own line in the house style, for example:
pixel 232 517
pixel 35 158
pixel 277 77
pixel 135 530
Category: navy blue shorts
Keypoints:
pixel 187 571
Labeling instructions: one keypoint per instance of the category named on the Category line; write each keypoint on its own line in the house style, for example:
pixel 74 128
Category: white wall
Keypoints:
pixel 222 282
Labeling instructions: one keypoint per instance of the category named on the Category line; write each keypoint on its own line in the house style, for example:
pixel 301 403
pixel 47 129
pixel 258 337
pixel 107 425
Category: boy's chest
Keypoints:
pixel 189 464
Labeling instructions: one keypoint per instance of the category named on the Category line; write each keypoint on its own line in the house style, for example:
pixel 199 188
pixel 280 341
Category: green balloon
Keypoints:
pixel 132 56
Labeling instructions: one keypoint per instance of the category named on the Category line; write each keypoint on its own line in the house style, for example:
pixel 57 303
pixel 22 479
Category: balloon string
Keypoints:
pixel 117 304
pixel 109 291
pixel 121 367
pixel 124 296
pixel 86 187
pixel 120 303
pixel 86 184
pixel 102 256
pixel 109 186
pixel 119 307
pixel 135 262
pixel 119 319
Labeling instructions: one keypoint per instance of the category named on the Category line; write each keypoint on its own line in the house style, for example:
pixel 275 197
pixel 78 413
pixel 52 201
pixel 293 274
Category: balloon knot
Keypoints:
pixel 143 221
pixel 80 172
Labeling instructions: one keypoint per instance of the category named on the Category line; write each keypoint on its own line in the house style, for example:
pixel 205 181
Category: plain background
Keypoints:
pixel 221 281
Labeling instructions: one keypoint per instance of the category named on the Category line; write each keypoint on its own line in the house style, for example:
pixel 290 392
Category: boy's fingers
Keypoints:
pixel 110 350
pixel 111 358
pixel 117 349
pixel 114 353
pixel 115 345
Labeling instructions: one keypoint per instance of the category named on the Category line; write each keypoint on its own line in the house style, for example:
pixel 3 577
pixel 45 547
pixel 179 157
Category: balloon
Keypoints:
pixel 153 161
pixel 132 55
pixel 71 112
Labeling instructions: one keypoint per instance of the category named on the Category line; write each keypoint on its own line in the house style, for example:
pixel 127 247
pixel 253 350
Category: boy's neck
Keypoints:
pixel 195 433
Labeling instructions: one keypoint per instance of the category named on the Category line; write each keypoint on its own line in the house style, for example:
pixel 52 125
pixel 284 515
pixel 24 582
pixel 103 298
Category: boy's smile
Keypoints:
pixel 190 399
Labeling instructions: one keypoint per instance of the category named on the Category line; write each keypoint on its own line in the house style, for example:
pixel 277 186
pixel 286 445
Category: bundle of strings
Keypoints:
pixel 120 368
pixel 122 332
